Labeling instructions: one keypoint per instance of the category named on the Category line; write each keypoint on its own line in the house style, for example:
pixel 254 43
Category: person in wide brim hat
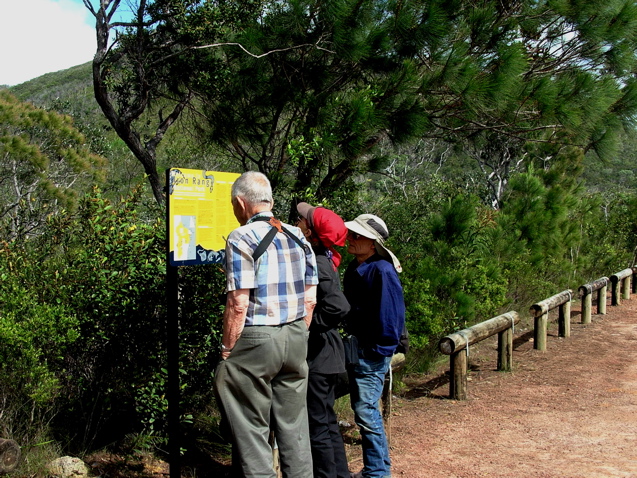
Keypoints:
pixel 375 324
pixel 374 228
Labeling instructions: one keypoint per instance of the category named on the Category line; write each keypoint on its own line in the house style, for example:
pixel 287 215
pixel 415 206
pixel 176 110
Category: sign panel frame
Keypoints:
pixel 200 215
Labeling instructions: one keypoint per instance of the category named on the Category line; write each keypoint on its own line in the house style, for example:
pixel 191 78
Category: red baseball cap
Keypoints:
pixel 328 226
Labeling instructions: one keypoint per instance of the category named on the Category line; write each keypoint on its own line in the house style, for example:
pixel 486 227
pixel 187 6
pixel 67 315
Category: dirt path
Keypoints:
pixel 568 412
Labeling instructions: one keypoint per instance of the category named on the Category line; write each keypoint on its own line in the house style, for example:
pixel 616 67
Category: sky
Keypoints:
pixel 42 36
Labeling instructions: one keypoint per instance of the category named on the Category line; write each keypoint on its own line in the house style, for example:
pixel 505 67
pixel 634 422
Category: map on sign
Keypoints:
pixel 200 215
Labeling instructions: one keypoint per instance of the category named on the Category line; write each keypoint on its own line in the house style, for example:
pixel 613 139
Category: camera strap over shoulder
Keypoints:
pixel 269 237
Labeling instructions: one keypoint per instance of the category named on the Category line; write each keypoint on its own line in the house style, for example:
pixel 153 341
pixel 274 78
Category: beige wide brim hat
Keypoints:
pixel 373 227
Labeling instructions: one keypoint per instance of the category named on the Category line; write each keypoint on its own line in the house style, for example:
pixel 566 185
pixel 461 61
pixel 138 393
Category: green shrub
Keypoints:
pixel 83 307
pixel 34 338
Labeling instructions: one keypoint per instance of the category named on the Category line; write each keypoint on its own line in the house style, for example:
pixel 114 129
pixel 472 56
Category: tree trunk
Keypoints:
pixel 122 120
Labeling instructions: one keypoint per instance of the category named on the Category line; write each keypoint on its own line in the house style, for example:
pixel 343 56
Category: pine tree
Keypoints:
pixel 504 79
pixel 44 163
pixel 145 67
pixel 329 89
pixel 308 90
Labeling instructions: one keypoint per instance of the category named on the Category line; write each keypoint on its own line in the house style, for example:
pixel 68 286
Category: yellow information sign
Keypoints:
pixel 200 215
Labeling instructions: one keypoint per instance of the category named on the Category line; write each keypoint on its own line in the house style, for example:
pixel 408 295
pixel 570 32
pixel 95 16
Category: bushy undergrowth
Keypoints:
pixel 83 313
pixel 34 337
pixel 464 263
pixel 83 328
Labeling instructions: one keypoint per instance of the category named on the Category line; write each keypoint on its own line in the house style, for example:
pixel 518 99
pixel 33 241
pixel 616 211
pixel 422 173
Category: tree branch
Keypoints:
pixel 254 55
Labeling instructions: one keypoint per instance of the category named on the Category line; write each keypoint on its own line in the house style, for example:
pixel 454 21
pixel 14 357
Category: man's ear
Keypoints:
pixel 241 203
pixel 308 233
pixel 239 208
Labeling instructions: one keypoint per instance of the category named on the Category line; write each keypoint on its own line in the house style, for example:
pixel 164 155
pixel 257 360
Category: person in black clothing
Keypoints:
pixel 326 358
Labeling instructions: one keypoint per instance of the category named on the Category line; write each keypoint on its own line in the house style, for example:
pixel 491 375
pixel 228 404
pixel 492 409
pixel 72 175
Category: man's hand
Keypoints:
pixel 310 303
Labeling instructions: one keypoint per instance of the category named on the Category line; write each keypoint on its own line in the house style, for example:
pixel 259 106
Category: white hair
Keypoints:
pixel 254 187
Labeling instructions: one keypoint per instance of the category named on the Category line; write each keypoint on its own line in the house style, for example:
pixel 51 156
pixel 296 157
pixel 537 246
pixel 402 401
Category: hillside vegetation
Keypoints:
pixel 74 84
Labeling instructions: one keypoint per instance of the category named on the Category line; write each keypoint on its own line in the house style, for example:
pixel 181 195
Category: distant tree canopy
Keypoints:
pixel 306 91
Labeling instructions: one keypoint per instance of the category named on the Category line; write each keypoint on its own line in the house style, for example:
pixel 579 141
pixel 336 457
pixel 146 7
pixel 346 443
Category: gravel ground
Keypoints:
pixel 566 412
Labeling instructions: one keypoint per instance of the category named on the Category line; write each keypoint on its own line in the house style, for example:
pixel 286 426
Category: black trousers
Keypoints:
pixel 328 450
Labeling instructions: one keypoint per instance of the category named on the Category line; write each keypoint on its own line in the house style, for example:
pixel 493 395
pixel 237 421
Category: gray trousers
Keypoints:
pixel 262 385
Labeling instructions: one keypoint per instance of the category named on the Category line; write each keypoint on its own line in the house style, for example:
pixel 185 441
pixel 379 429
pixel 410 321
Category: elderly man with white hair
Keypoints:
pixel 261 382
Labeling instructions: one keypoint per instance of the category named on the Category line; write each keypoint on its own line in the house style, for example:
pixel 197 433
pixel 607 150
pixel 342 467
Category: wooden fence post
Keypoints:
pixel 397 362
pixel 386 400
pixel 539 331
pixel 456 345
pixel 615 297
pixel 601 300
pixel 587 305
pixel 458 383
pixel 586 293
pixel 540 311
pixel 626 287
pixel 564 319
pixel 621 286
pixel 505 350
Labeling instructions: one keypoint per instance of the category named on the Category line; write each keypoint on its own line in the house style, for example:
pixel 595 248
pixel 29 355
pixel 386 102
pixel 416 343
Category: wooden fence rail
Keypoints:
pixel 621 286
pixel 540 312
pixel 457 346
pixel 586 294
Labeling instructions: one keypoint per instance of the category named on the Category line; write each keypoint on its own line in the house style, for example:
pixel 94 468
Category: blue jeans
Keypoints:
pixel 366 388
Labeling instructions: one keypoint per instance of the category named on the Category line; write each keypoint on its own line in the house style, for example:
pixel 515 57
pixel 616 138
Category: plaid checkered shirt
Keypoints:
pixel 278 278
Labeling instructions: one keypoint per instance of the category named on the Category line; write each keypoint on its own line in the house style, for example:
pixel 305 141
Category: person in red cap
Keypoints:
pixel 324 229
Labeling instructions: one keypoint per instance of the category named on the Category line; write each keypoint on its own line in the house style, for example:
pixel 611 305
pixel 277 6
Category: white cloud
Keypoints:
pixel 41 36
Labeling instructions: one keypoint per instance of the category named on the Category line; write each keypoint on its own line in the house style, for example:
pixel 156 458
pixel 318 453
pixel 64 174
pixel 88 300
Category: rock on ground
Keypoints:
pixel 68 467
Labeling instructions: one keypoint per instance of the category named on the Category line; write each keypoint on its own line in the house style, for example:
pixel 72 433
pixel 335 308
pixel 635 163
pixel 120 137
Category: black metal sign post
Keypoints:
pixel 172 343
pixel 172 330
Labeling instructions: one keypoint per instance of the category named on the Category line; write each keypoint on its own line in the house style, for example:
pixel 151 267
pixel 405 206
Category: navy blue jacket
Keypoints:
pixel 377 315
